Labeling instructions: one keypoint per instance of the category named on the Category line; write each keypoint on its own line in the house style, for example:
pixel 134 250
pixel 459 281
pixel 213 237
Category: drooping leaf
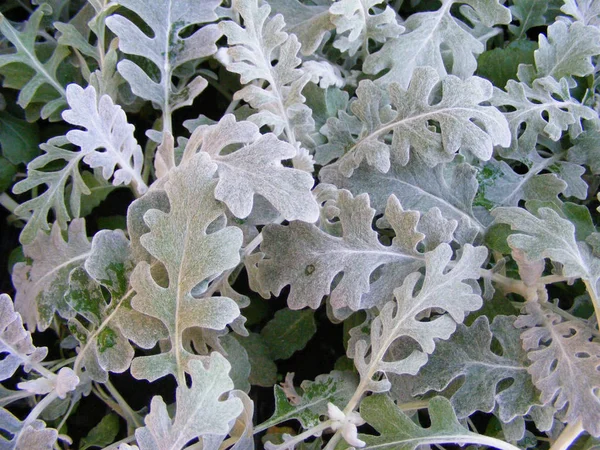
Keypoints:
pixel 252 52
pixel 41 285
pixel 307 407
pixel 288 332
pixel 467 355
pixel 433 130
pixel 255 168
pixel 44 73
pixel 428 35
pixel 166 48
pixel 107 129
pixel 191 253
pixel 397 431
pixel 199 410
pixel 354 16
pixel 444 290
pixel 565 365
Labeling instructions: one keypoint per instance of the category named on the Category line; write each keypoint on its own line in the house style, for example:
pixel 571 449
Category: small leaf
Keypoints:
pixel 19 139
pixel 500 64
pixel 102 434
pixel 288 332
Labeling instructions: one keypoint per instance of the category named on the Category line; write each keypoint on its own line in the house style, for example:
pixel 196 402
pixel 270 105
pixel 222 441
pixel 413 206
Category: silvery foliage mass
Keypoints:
pixel 425 172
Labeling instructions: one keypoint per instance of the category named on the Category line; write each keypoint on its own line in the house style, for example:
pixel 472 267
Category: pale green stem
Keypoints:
pixel 591 289
pixel 8 202
pixel 126 440
pixel 303 436
pixel 568 436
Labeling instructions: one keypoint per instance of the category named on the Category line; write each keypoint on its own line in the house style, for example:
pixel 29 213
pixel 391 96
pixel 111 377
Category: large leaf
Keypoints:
pixel 416 124
pixel 565 364
pixel 428 36
pixel 107 142
pixel 42 283
pixel 399 432
pixel 467 355
pixel 450 187
pixel 166 48
pixel 44 73
pixel 255 168
pixel 446 287
pixel 261 50
pixel 199 410
pixel 191 253
pixel 309 259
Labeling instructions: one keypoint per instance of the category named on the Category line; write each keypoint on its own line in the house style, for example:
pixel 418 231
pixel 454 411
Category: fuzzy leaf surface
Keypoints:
pixel 427 33
pixel 565 365
pixel 190 253
pixel 443 288
pixel 198 412
pixel 467 354
pixel 42 284
pixel 408 117
pixel 166 49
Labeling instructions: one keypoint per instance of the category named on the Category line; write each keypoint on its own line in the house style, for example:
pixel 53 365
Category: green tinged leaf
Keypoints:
pixel 263 371
pixel 44 73
pixel 529 14
pixel 397 431
pixel 19 139
pixel 308 406
pixel 102 434
pixel 500 64
pixel 467 355
pixel 288 332
pixel 7 173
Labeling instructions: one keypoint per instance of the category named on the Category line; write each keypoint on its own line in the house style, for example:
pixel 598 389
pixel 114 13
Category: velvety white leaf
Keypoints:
pixel 255 168
pixel 106 128
pixel 399 432
pixel 42 284
pixel 191 252
pixel 199 410
pixel 15 341
pixel 467 355
pixel 443 289
pixel 309 259
pixel 428 35
pixel 450 187
pixel 310 23
pixel 584 11
pixel 418 125
pixel 261 50
pixel 166 48
pixel 354 16
pixel 32 435
pixel 565 364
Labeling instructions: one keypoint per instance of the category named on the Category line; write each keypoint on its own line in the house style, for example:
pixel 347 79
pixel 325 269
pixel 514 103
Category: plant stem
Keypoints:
pixel 8 202
pixel 589 285
pixel 133 417
pixel 568 436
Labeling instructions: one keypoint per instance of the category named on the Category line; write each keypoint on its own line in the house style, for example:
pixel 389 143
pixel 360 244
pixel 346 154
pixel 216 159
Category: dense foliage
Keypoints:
pixel 415 182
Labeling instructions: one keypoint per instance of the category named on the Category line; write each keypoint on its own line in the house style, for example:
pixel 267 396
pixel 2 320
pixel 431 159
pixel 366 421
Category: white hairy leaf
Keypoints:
pixel 166 48
pixel 416 124
pixel 445 287
pixel 255 168
pixel 107 142
pixel 565 364
pixel 191 253
pixel 428 35
pixel 199 410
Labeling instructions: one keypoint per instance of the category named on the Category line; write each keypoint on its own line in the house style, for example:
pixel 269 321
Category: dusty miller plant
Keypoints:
pixel 423 174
